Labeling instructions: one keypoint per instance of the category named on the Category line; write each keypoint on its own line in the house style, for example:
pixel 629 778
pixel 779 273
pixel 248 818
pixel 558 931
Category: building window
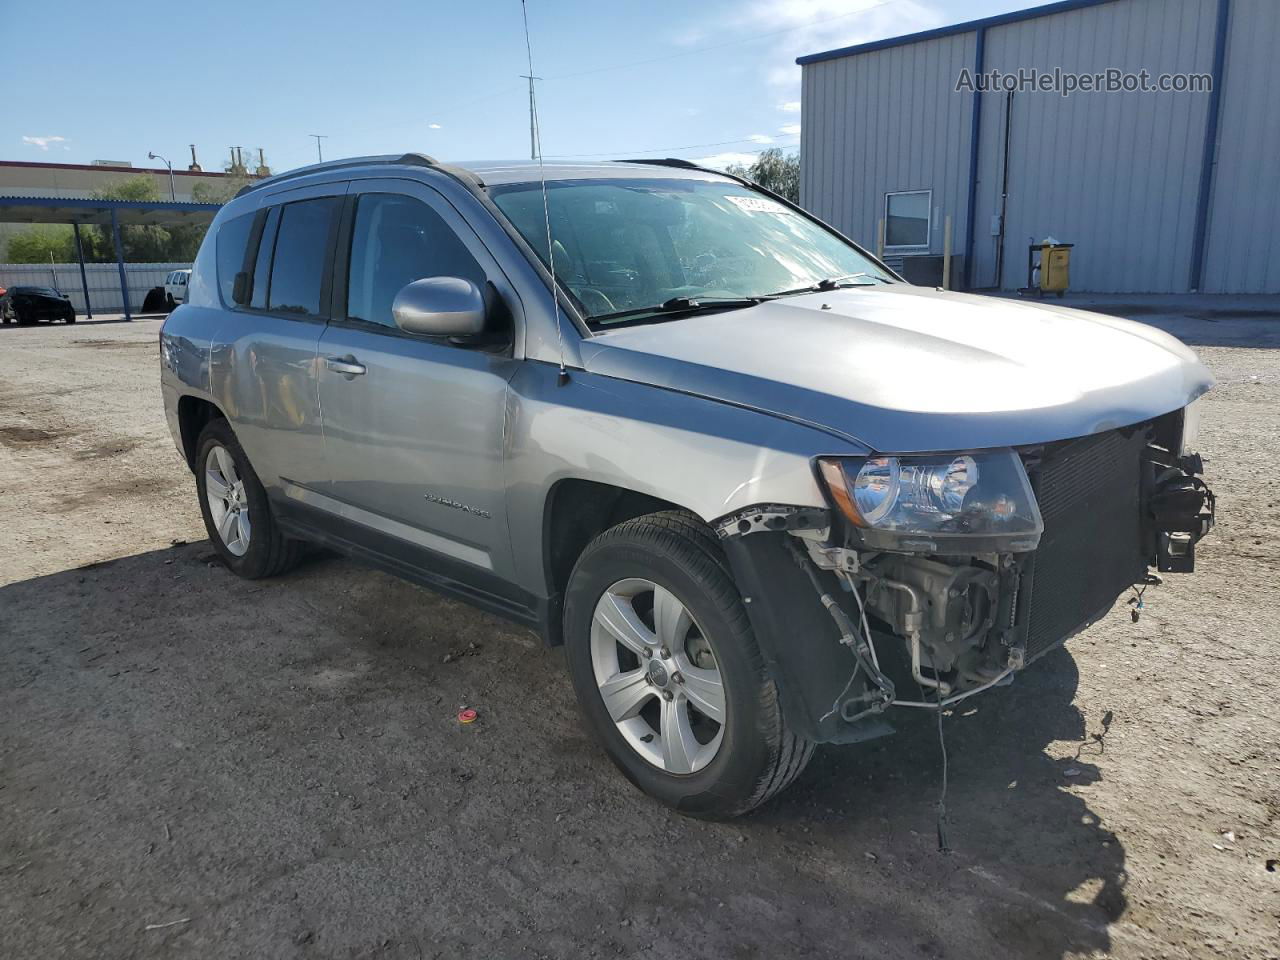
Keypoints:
pixel 907 220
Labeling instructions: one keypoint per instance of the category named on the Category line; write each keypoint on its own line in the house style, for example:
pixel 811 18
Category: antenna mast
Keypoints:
pixel 535 137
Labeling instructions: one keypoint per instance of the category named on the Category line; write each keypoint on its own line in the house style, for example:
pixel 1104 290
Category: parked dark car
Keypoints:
pixel 33 304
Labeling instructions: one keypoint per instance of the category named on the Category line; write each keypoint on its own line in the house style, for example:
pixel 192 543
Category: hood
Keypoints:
pixel 905 369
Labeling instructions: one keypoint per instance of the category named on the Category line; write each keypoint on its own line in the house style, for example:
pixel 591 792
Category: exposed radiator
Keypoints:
pixel 1089 492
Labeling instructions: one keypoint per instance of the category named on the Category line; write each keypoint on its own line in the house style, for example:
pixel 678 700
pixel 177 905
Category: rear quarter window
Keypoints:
pixel 233 237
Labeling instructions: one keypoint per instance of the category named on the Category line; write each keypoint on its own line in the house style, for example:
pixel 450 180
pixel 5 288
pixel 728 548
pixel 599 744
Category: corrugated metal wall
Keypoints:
pixel 1117 174
pixel 1243 251
pixel 104 281
pixel 883 122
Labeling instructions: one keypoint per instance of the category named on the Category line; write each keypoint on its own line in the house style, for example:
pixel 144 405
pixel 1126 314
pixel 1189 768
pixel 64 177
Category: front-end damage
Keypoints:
pixel 855 619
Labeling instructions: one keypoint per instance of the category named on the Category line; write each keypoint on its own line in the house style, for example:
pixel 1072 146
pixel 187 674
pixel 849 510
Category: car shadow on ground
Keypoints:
pixel 1017 822
pixel 257 716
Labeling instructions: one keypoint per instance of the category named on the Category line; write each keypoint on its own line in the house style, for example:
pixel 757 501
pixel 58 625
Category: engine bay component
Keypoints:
pixel 1182 510
pixel 773 517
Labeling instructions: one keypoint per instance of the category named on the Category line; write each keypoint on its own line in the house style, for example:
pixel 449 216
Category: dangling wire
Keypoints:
pixel 944 847
pixel 546 206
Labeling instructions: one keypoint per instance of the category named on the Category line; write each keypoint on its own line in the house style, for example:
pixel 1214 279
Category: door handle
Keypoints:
pixel 346 366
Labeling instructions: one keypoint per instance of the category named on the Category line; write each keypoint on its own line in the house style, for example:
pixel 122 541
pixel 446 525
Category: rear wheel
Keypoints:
pixel 236 511
pixel 668 672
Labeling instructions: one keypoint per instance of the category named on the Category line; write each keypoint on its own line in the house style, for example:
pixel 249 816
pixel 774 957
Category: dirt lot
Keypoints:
pixel 274 769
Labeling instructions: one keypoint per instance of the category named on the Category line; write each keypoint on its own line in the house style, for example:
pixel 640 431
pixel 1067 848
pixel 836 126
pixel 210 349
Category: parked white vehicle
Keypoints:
pixel 175 287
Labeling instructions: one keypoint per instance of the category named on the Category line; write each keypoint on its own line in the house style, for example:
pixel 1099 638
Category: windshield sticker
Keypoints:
pixel 760 205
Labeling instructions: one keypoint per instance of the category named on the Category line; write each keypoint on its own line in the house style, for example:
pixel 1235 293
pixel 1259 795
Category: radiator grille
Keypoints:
pixel 1089 494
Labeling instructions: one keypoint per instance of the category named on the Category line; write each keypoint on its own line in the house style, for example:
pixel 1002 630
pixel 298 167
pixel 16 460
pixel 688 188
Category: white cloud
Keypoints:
pixel 790 129
pixel 798 27
pixel 433 126
pixel 789 106
pixel 760 138
pixel 43 142
pixel 719 161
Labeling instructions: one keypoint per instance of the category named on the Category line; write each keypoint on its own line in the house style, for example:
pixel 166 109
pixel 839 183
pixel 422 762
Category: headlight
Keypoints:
pixel 969 502
pixel 1191 426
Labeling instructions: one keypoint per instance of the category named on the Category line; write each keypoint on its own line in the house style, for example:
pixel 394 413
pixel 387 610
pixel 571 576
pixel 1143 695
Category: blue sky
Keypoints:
pixel 710 81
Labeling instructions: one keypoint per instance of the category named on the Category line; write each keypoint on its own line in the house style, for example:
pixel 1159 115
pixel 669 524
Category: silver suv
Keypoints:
pixel 764 492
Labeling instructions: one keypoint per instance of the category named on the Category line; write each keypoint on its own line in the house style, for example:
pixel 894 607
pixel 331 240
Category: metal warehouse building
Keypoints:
pixel 1163 192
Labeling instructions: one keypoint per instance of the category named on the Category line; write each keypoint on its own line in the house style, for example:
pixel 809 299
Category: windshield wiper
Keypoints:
pixel 680 306
pixel 831 283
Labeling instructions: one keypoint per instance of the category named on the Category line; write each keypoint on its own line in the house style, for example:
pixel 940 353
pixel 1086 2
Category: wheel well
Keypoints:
pixel 194 415
pixel 577 512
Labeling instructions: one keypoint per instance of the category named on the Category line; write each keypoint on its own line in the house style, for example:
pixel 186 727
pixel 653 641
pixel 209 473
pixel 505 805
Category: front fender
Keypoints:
pixel 706 456
pixel 799 640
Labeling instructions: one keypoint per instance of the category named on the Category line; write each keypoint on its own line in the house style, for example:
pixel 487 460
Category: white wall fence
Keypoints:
pixel 104 281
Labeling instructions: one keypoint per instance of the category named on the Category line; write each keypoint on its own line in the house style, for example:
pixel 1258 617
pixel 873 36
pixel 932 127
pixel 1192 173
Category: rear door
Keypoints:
pixel 265 368
pixel 413 426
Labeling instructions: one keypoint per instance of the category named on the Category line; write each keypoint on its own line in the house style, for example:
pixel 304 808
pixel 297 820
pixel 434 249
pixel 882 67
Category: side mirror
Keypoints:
pixel 440 307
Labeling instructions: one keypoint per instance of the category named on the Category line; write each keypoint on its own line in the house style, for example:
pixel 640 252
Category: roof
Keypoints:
pixel 1063 6
pixel 128 212
pixel 496 172
pixel 499 172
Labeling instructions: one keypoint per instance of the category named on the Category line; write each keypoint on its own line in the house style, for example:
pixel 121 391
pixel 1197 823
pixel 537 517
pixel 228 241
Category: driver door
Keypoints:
pixel 413 425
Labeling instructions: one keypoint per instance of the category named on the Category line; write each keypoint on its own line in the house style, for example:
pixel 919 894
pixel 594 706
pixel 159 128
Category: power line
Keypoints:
pixel 774 142
pixel 716 46
pixel 506 91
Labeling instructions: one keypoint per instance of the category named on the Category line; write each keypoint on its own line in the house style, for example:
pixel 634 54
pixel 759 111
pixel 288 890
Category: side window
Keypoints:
pixel 297 267
pixel 394 241
pixel 233 237
pixel 262 263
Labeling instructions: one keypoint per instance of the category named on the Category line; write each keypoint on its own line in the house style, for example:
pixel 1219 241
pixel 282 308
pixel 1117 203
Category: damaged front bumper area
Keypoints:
pixel 855 620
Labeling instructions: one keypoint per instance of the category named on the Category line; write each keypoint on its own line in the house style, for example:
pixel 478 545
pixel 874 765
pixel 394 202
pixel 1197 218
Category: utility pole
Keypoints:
pixel 533 121
pixel 318 138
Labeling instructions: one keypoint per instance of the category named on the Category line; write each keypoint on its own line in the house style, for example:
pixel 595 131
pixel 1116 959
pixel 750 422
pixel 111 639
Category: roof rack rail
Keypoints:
pixel 404 159
pixel 666 162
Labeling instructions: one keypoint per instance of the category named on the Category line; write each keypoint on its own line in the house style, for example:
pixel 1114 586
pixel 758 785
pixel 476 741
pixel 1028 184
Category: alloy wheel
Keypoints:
pixel 657 676
pixel 227 499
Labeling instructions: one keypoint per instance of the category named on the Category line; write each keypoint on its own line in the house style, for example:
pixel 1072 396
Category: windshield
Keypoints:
pixel 36 291
pixel 626 247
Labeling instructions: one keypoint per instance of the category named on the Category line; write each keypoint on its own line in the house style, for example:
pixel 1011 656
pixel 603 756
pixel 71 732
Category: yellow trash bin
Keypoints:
pixel 1055 268
pixel 1048 269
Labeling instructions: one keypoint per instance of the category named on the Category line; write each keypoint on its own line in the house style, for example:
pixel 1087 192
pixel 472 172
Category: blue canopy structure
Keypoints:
pixel 113 213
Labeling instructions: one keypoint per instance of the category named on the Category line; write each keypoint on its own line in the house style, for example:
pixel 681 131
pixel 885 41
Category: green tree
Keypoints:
pixel 220 192
pixel 35 244
pixel 141 244
pixel 773 170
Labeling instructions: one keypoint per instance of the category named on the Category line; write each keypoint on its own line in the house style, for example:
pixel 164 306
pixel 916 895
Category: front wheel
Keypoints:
pixel 668 672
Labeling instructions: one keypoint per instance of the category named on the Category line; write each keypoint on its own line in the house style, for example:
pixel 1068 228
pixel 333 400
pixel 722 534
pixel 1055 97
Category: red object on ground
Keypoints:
pixel 467 716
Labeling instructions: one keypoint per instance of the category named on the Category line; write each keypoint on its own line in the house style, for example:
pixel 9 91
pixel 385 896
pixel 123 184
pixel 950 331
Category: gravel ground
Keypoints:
pixel 196 766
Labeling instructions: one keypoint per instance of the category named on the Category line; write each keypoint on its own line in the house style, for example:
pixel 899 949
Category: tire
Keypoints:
pixel 268 552
pixel 755 754
pixel 70 319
